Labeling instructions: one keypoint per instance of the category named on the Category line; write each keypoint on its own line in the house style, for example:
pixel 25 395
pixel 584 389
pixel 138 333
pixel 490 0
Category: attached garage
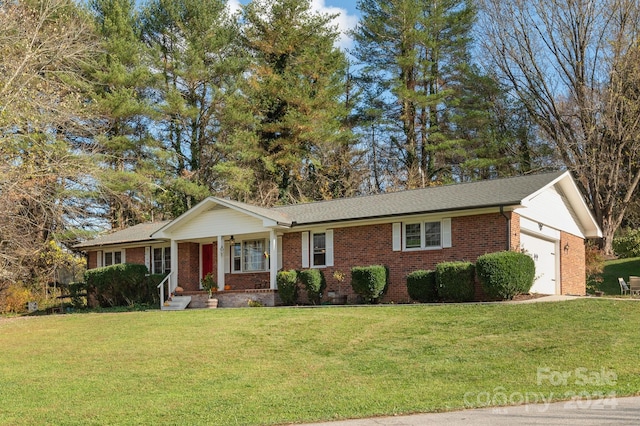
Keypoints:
pixel 543 251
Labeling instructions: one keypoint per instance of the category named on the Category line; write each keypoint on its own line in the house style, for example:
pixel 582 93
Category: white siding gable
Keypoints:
pixel 550 209
pixel 220 221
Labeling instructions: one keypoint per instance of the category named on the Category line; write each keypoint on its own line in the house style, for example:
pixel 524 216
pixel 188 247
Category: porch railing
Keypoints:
pixel 166 280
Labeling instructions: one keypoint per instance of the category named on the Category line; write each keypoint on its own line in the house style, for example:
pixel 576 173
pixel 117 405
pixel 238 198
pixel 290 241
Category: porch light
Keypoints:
pixel 232 240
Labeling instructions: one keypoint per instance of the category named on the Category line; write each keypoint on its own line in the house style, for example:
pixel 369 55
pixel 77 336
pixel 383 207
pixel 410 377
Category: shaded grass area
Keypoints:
pixel 618 268
pixel 271 366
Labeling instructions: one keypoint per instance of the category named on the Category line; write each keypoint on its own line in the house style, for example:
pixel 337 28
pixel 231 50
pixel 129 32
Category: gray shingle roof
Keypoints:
pixel 488 193
pixel 136 233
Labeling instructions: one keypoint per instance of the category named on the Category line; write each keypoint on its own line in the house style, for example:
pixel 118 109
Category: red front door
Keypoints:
pixel 207 259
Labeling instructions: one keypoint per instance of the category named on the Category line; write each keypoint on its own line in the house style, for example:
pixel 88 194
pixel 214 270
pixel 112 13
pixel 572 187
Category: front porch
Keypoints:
pixel 239 247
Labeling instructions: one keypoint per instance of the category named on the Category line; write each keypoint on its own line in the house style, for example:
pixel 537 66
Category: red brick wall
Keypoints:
pixel 135 255
pixel 472 236
pixel 572 265
pixel 247 280
pixel 189 266
pixel 515 231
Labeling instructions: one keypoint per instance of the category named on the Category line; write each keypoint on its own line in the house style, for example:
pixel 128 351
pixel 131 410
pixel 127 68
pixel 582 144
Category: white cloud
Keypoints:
pixel 233 6
pixel 344 21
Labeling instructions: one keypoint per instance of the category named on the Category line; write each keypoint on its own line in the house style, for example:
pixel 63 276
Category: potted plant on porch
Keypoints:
pixel 209 284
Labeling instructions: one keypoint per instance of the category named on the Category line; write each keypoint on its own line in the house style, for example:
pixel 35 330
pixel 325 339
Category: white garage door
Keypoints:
pixel 543 253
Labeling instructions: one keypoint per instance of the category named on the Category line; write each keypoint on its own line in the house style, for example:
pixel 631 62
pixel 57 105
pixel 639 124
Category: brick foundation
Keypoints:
pixel 234 298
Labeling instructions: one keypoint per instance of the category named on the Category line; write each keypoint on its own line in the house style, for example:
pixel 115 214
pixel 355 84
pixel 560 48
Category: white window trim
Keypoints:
pixel 232 269
pixel 307 248
pixel 445 234
pixel 152 257
pixel 122 256
pixel 312 253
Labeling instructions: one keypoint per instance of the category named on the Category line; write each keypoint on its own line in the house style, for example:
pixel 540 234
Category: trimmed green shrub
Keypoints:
pixel 455 281
pixel 627 243
pixel 314 282
pixel 153 280
pixel 370 282
pixel 119 285
pixel 288 286
pixel 505 274
pixel 421 286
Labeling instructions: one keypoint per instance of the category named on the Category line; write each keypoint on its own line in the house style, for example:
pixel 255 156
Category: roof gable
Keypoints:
pixel 269 217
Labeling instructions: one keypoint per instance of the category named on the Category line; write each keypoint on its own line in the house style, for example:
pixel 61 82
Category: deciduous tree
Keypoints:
pixel 574 66
pixel 45 46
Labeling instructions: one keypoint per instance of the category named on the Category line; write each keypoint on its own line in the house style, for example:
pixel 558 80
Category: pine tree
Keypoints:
pixel 419 50
pixel 196 52
pixel 291 121
pixel 126 152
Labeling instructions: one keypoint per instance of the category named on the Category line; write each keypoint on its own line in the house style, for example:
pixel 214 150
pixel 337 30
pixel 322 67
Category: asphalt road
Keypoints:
pixel 595 412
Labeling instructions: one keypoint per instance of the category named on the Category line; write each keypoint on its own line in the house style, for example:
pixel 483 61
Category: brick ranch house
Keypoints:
pixel 244 246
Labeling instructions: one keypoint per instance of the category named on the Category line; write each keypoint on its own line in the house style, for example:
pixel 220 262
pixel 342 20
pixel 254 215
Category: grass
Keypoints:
pixel 273 366
pixel 618 268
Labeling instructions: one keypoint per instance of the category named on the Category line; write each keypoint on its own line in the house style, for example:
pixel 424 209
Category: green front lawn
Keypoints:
pixel 618 268
pixel 269 366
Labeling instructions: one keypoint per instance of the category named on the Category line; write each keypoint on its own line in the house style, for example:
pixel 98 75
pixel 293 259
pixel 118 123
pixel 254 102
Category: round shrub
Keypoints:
pixel 370 282
pixel 421 286
pixel 314 282
pixel 288 286
pixel 505 274
pixel 455 281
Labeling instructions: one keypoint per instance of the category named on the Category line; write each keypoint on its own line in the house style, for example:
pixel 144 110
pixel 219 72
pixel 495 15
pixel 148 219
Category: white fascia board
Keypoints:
pixel 574 196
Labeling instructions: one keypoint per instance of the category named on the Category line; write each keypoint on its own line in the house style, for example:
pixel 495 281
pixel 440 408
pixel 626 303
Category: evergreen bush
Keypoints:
pixel 421 286
pixel 455 281
pixel 505 274
pixel 124 284
pixel 314 282
pixel 370 282
pixel 288 286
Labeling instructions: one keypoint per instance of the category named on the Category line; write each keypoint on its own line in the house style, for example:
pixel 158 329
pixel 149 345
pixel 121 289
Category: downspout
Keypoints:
pixel 508 218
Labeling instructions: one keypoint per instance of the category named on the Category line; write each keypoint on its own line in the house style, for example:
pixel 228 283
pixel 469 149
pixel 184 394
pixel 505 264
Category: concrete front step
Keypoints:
pixel 177 303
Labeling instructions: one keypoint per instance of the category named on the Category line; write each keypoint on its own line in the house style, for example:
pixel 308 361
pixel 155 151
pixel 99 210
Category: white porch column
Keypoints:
pixel 273 259
pixel 173 281
pixel 220 250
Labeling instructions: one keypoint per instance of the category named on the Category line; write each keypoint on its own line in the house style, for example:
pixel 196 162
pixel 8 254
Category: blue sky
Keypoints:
pixel 346 9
